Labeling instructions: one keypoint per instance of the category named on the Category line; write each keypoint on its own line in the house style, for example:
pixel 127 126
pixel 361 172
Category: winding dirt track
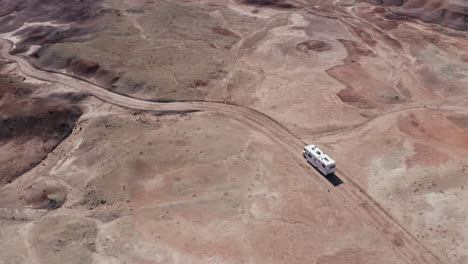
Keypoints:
pixel 349 195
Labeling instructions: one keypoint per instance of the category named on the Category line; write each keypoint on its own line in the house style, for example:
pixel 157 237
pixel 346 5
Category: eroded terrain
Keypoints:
pixel 172 132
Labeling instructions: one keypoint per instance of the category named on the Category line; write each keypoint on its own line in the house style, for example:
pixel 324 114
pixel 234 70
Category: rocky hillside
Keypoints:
pixel 449 13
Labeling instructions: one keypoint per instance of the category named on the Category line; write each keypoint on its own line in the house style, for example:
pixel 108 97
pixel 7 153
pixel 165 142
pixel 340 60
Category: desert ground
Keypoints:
pixel 143 131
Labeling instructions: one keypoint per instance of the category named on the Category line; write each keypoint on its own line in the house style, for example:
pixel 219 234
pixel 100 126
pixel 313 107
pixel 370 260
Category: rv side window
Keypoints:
pixel 308 154
pixel 332 166
pixel 323 165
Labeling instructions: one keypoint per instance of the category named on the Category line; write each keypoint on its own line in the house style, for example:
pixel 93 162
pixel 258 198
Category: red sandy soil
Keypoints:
pixel 131 174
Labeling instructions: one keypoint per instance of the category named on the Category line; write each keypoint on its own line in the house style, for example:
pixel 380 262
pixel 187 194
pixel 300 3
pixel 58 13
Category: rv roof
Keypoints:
pixel 319 154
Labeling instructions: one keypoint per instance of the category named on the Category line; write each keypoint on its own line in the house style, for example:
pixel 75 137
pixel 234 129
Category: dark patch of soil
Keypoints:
pixel 106 78
pixel 71 97
pixel 31 127
pixel 224 31
pixel 202 82
pixel 45 195
pixel 393 16
pixel 269 3
pixel 385 2
pixel 314 45
pixel 350 96
pixel 84 68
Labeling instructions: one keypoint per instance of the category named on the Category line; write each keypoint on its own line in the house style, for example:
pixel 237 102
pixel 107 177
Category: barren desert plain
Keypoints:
pixel 171 131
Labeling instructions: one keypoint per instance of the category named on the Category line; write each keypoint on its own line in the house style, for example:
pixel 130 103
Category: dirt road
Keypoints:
pixel 349 195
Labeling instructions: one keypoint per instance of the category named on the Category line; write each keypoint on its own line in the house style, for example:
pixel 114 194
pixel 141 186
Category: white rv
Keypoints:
pixel 319 160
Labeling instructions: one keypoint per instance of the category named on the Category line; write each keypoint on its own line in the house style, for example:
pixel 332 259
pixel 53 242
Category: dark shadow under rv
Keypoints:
pixel 332 178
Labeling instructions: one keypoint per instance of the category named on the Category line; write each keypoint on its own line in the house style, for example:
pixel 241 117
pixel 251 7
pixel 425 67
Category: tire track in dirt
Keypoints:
pixel 349 195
